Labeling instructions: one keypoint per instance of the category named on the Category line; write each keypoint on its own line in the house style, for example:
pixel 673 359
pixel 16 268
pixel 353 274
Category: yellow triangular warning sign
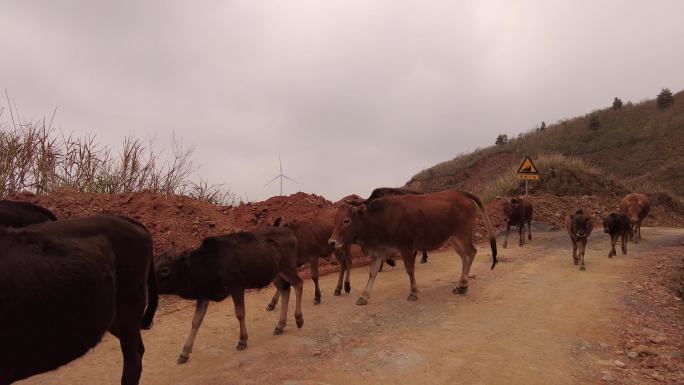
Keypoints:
pixel 527 167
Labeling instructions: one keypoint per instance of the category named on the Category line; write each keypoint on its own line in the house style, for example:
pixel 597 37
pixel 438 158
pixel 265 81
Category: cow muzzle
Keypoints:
pixel 581 234
pixel 333 243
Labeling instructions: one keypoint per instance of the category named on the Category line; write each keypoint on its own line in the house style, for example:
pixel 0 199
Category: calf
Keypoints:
pixel 395 224
pixel 636 207
pixel 579 224
pixel 20 214
pixel 312 243
pixel 616 225
pixel 517 212
pixel 63 284
pixel 227 265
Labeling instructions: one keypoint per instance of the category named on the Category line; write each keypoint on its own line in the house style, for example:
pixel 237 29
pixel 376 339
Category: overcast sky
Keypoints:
pixel 353 94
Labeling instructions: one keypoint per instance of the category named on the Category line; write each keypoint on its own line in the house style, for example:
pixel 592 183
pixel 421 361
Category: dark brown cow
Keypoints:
pixel 312 243
pixel 579 224
pixel 64 284
pixel 617 226
pixel 404 223
pixel 227 265
pixel 517 212
pixel 636 207
pixel 20 214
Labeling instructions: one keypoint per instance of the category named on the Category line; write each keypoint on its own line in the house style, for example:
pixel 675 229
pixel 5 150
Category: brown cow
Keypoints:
pixel 20 214
pixel 312 243
pixel 579 224
pixel 126 246
pixel 227 265
pixel 397 224
pixel 636 207
pixel 517 212
pixel 616 225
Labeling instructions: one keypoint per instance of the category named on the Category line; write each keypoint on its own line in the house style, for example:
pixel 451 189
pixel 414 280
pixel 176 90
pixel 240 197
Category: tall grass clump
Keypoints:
pixel 37 158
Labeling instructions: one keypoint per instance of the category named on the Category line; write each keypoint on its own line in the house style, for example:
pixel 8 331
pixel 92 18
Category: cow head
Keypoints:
pixel 581 224
pixel 511 208
pixel 172 271
pixel 633 211
pixel 347 223
pixel 609 223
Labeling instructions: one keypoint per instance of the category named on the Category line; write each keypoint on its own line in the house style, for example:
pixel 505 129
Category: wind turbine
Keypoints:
pixel 281 176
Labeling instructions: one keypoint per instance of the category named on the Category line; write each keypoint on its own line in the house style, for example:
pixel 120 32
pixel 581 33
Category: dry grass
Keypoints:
pixel 36 158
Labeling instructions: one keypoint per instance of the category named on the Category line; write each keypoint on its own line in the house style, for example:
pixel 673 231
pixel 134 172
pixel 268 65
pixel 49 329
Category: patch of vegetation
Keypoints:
pixel 36 158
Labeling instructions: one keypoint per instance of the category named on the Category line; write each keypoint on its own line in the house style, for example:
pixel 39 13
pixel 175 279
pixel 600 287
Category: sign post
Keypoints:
pixel 527 171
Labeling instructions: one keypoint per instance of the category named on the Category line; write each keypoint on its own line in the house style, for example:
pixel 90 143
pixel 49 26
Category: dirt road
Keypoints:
pixel 535 319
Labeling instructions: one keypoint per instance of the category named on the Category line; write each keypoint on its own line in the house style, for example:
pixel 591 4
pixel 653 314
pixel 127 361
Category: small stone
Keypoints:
pixel 360 352
pixel 607 377
pixel 657 339
pixel 604 362
pixel 619 364
pixel 316 353
pixel 603 345
pixel 656 376
pixel 632 354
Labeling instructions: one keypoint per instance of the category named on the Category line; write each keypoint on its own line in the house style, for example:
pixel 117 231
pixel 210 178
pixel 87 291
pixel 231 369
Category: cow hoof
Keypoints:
pixel 147 326
pixel 391 262
pixel 242 345
pixel 505 245
pixel 362 301
pixel 299 321
pixel 270 307
pixel 278 330
pixel 460 290
pixel 575 262
pixel 412 297
pixel 582 268
pixel 317 301
pixel 338 292
pixel 347 287
pixel 182 359
pixel 423 261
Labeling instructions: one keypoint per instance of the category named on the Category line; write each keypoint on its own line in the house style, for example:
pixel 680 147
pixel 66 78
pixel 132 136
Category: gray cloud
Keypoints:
pixel 352 94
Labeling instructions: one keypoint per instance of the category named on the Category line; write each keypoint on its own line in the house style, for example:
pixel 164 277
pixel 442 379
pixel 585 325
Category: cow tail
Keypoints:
pixel 488 224
pixel 152 297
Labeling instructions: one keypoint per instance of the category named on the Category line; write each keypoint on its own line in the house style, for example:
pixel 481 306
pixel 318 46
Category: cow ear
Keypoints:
pixel 359 210
pixel 352 202
pixel 278 221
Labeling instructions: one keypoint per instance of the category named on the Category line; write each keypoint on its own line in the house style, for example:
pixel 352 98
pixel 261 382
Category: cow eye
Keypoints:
pixel 164 271
pixel 346 221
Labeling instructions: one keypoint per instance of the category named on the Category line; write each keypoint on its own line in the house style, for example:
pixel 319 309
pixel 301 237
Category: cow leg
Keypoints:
pixel 467 252
pixel 373 269
pixel 284 290
pixel 274 301
pixel 132 347
pixel 529 230
pixel 508 228
pixel 613 240
pixel 638 231
pixel 582 248
pixel 200 311
pixel 521 233
pixel 574 251
pixel 343 267
pixel 313 264
pixel 424 258
pixel 410 266
pixel 347 276
pixel 624 243
pixel 239 302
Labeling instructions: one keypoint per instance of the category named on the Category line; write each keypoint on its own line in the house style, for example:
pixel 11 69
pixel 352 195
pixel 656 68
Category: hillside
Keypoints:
pixel 639 145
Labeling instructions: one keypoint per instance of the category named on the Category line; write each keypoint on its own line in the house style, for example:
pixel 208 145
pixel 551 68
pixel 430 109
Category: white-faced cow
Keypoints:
pixel 312 243
pixel 616 225
pixel 227 265
pixel 636 207
pixel 579 224
pixel 20 214
pixel 404 223
pixel 64 284
pixel 518 212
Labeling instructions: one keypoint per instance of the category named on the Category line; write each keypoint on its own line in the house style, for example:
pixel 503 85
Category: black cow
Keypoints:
pixel 617 224
pixel 64 284
pixel 227 265
pixel 518 212
pixel 579 225
pixel 20 214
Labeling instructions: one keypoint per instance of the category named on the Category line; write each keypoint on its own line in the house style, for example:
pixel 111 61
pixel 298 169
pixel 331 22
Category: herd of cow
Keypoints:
pixel 64 283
